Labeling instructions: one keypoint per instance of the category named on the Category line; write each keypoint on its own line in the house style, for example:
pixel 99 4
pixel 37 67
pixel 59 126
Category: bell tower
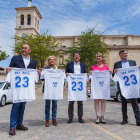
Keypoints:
pixel 27 20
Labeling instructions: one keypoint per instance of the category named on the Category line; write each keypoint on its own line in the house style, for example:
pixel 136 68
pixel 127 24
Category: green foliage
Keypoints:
pixel 42 46
pixel 3 55
pixel 88 45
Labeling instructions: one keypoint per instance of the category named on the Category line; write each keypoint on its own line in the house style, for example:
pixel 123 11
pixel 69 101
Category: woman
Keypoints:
pixel 51 65
pixel 51 62
pixel 100 66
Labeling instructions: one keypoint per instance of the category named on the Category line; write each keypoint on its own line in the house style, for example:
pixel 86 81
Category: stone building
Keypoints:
pixel 28 21
pixel 115 43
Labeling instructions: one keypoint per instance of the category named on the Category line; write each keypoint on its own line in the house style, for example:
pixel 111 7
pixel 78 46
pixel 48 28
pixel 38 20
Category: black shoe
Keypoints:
pixel 124 122
pixel 69 121
pixel 138 123
pixel 81 120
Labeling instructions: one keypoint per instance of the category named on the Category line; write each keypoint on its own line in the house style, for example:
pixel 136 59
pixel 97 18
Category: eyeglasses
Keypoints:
pixel 99 56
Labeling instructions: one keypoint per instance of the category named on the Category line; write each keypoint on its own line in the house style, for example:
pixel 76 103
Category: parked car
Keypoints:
pixel 114 92
pixel 5 93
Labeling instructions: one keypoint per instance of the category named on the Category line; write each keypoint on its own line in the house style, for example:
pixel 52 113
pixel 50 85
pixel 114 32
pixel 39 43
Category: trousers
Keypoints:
pixel 79 109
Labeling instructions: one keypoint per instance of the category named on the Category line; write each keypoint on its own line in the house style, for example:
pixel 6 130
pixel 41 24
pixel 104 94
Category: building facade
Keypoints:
pixel 27 21
pixel 115 44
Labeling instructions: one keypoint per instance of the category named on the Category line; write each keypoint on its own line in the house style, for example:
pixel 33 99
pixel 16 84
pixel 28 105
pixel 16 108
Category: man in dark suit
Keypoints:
pixel 75 67
pixel 125 63
pixel 17 112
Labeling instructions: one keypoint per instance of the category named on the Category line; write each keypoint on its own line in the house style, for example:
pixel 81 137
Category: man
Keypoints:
pixel 75 67
pixel 51 62
pixel 17 112
pixel 125 63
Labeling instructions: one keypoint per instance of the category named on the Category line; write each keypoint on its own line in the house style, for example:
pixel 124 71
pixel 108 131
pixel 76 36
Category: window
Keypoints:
pixel 1 84
pixel 28 19
pixel 61 60
pixel 7 86
pixel 22 19
pixel 36 22
pixel 112 83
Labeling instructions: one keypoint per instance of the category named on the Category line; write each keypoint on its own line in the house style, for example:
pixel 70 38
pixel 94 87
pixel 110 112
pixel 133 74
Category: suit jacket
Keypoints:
pixel 17 62
pixel 119 65
pixel 70 67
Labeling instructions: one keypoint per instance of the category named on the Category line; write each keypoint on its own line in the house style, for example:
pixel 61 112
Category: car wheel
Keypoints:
pixel 3 101
pixel 118 96
pixel 115 99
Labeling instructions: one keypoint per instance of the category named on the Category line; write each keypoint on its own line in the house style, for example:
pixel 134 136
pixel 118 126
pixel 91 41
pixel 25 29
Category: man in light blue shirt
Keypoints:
pixel 125 63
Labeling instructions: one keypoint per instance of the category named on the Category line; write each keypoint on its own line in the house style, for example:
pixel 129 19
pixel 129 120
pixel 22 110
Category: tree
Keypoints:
pixel 42 46
pixel 88 45
pixel 3 55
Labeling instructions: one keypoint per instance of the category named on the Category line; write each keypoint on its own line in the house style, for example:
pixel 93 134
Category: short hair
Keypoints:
pixel 99 53
pixel 122 51
pixel 50 57
pixel 76 53
pixel 27 45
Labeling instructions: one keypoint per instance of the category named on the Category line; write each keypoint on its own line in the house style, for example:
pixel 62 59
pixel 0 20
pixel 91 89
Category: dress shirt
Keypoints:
pixel 125 64
pixel 52 68
pixel 77 68
pixel 26 61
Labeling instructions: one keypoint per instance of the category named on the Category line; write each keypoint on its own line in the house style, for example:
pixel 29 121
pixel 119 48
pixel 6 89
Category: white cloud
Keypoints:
pixel 6 32
pixel 71 27
pixel 70 17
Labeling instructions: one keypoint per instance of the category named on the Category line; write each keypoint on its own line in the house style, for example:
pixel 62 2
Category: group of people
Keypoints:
pixel 24 61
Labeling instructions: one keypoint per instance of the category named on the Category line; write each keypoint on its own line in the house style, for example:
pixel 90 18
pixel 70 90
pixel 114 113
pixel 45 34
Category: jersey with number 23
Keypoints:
pixel 22 83
pixel 77 86
pixel 128 79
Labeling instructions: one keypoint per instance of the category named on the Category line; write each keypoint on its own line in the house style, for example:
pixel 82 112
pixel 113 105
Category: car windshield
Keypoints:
pixel 1 84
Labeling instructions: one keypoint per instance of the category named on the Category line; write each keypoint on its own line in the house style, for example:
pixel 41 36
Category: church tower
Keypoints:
pixel 27 20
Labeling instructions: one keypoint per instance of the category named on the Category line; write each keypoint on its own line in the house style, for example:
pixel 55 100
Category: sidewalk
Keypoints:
pixel 34 119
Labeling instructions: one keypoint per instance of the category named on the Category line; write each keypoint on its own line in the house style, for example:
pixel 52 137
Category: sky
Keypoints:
pixel 70 17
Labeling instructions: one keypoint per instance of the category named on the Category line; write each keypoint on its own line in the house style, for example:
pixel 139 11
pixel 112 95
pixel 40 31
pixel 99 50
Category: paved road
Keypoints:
pixel 34 118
